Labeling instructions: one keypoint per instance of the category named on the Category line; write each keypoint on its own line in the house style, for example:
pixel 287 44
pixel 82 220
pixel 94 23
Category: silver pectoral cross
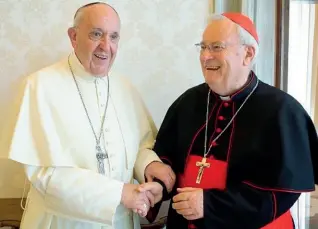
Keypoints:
pixel 101 156
pixel 202 164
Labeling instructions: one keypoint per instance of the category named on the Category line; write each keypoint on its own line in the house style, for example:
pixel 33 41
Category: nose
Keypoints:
pixel 104 44
pixel 206 55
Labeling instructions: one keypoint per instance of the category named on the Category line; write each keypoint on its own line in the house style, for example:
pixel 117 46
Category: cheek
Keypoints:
pixel 204 58
pixel 89 46
pixel 229 61
pixel 202 61
pixel 113 49
pixel 222 59
pixel 92 47
pixel 86 47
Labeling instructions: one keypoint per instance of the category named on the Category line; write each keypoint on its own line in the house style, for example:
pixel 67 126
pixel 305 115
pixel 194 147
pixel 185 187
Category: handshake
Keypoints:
pixel 188 201
pixel 140 198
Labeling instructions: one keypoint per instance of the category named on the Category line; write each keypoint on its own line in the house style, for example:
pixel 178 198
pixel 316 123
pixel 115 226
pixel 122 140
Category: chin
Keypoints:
pixel 100 72
pixel 213 78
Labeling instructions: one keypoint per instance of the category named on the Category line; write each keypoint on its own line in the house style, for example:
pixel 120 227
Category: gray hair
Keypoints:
pixel 245 37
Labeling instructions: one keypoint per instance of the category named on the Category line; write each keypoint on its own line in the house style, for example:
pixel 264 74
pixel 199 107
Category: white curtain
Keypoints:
pixel 300 57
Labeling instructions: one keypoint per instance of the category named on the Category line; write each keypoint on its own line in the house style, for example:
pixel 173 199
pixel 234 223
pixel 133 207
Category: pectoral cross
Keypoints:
pixel 202 164
pixel 101 156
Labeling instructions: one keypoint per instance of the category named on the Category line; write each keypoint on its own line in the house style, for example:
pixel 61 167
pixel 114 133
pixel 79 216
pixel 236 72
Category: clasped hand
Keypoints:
pixel 140 198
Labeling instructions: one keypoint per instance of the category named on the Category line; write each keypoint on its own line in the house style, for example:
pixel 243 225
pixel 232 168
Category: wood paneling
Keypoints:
pixel 10 212
pixel 282 38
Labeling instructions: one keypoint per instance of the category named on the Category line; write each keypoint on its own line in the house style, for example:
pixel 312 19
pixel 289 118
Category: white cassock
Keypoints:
pixel 51 136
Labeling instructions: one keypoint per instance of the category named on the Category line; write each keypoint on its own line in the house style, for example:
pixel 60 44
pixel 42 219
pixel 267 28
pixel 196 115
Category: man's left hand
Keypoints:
pixel 162 172
pixel 189 203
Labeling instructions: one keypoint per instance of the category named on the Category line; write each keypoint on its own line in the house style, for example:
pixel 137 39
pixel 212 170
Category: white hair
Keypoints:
pixel 77 18
pixel 245 37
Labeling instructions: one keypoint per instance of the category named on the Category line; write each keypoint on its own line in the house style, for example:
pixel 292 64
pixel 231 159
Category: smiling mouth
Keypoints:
pixel 101 57
pixel 213 68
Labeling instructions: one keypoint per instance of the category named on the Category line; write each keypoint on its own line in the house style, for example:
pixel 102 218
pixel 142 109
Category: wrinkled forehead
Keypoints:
pixel 101 16
pixel 221 30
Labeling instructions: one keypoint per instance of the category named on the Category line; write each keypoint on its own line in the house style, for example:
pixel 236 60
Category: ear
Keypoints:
pixel 73 36
pixel 249 56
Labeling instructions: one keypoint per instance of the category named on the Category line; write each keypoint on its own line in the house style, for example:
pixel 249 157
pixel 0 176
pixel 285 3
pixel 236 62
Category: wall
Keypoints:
pixel 314 89
pixel 156 51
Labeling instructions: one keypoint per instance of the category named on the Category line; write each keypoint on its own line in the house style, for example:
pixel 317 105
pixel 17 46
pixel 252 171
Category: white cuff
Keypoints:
pixel 145 157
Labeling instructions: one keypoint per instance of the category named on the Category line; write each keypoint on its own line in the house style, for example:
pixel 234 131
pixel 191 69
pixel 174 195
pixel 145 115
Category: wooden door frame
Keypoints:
pixel 282 44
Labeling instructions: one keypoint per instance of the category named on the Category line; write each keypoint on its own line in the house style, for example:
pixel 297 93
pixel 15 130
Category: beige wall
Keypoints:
pixel 314 84
pixel 156 51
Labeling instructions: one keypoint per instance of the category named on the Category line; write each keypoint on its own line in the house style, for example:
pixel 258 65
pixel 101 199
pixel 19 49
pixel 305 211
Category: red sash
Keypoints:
pixel 214 177
pixel 285 221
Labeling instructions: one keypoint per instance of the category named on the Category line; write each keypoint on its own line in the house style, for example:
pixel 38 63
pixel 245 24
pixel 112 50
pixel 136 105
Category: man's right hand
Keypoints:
pixel 131 198
pixel 153 191
pixel 162 172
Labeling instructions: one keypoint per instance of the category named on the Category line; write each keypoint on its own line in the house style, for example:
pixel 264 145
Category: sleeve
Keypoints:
pixel 165 146
pixel 66 190
pixel 245 206
pixel 299 146
pixel 166 141
pixel 147 133
pixel 289 144
pixel 30 122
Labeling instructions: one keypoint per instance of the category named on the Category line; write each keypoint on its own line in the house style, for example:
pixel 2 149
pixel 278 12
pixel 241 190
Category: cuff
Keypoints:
pixel 116 201
pixel 164 189
pixel 145 157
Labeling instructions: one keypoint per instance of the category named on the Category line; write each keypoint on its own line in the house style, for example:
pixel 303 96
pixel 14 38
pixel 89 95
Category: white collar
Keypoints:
pixel 225 98
pixel 79 70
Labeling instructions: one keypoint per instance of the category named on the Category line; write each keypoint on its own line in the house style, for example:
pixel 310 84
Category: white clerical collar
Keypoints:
pixel 79 70
pixel 225 98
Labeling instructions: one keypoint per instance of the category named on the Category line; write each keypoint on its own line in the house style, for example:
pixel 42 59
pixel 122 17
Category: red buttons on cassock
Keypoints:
pixel 221 118
pixel 218 130
pixel 214 143
pixel 226 104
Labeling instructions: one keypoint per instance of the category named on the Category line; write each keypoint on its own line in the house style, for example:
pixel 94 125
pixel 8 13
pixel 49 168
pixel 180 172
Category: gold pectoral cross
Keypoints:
pixel 202 164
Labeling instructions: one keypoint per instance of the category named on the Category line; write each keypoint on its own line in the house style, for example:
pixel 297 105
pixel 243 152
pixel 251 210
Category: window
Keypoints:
pixel 300 57
pixel 300 53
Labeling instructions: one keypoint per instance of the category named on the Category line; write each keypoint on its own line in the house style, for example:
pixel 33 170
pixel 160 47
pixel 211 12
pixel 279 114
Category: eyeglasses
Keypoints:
pixel 97 35
pixel 214 47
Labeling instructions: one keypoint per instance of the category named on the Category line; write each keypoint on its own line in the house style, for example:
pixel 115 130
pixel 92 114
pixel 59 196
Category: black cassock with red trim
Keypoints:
pixel 256 169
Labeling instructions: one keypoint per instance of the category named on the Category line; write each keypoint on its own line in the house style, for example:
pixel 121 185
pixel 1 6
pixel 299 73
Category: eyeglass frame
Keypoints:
pixel 101 36
pixel 222 46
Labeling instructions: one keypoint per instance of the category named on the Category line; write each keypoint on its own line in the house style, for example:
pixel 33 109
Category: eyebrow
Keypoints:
pixel 95 28
pixel 214 42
